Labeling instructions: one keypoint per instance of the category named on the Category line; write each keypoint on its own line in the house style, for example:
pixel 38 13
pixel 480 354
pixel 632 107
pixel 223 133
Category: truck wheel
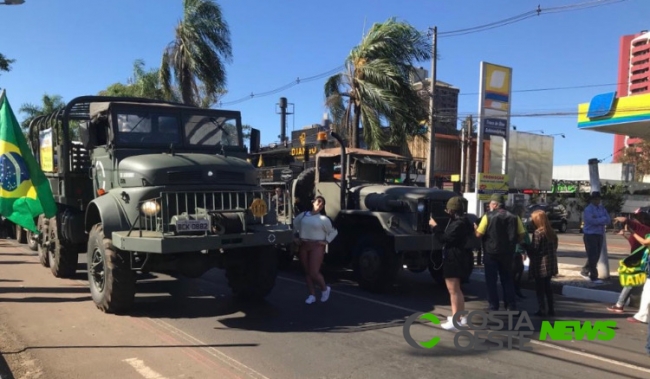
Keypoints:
pixel 375 264
pixel 251 273
pixel 563 227
pixel 32 240
pixel 43 255
pixel 21 235
pixel 63 261
pixel 111 280
pixel 285 256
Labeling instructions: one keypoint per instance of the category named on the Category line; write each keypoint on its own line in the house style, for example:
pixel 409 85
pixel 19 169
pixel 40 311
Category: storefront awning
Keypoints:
pixel 625 115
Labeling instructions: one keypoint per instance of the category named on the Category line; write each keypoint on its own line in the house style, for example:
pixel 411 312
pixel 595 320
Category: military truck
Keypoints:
pixel 382 227
pixel 153 187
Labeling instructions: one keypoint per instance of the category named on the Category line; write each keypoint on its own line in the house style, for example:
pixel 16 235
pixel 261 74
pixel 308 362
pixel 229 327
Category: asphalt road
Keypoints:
pixel 193 329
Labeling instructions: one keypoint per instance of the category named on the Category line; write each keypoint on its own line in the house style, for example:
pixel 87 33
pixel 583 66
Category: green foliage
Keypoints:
pixel 193 62
pixel 143 84
pixel 5 63
pixel 376 86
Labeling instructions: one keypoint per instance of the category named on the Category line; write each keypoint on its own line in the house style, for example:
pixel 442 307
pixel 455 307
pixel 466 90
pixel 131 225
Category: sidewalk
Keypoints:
pixel 569 283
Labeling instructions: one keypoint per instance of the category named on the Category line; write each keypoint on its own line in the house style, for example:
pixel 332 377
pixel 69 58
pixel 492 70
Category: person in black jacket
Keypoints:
pixel 455 257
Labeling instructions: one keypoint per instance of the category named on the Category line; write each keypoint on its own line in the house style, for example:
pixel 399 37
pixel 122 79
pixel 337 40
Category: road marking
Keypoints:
pixel 545 344
pixel 357 296
pixel 143 369
pixel 210 350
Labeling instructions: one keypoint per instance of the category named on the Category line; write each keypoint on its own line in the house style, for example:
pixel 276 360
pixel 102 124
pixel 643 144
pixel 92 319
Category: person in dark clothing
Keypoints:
pixel 543 261
pixel 501 231
pixel 455 257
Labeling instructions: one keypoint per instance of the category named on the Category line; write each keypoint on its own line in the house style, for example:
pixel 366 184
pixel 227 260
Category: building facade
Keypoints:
pixel 445 99
pixel 633 77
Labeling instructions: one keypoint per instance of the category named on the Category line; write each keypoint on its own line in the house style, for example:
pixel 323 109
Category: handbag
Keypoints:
pixel 633 270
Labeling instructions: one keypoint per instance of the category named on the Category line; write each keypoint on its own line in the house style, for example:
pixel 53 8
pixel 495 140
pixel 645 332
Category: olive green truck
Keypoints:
pixel 148 186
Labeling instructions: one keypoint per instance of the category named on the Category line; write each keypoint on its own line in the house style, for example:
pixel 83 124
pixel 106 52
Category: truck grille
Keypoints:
pixel 215 204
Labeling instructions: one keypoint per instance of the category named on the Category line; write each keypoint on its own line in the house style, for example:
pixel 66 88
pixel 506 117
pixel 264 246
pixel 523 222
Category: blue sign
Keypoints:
pixel 601 105
pixel 495 127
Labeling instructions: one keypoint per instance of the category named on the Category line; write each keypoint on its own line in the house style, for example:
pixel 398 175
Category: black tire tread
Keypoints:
pixel 120 284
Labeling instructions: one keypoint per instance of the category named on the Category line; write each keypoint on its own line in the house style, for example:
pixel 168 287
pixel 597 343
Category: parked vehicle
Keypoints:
pixel 557 215
pixel 153 187
pixel 382 227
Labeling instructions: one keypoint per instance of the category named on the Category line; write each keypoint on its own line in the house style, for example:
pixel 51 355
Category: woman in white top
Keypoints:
pixel 314 231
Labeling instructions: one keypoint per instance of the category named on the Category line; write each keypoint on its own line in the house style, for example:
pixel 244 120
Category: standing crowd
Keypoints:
pixel 505 245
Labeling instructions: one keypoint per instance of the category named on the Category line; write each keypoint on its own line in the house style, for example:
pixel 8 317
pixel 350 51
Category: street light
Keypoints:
pixel 12 2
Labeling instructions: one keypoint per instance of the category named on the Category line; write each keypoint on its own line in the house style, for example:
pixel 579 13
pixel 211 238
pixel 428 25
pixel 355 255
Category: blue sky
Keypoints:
pixel 79 47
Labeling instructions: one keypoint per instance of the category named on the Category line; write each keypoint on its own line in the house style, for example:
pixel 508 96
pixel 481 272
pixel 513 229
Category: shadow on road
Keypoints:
pixel 5 371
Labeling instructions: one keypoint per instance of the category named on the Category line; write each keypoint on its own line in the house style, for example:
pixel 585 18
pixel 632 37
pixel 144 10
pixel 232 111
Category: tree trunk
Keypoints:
pixel 355 127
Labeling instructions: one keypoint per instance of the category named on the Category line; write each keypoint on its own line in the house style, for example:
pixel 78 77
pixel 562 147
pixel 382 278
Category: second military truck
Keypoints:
pixel 153 187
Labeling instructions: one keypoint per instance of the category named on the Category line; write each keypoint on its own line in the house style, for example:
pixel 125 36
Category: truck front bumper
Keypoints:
pixel 156 243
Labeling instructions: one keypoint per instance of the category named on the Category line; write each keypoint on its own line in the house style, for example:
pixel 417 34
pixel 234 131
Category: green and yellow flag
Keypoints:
pixel 25 193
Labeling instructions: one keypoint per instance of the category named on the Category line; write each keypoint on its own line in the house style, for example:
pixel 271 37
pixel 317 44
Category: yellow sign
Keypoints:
pixel 455 178
pixel 301 151
pixel 259 208
pixel 496 81
pixel 302 138
pixel 46 151
pixel 490 184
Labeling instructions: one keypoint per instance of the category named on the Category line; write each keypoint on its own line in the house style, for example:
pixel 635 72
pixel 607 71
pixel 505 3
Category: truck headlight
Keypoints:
pixel 421 207
pixel 150 208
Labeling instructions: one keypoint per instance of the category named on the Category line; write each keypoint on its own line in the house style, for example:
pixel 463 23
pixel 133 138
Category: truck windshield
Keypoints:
pixel 147 128
pixel 209 131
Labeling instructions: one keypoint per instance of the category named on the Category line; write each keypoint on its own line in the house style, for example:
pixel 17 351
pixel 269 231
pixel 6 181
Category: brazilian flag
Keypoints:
pixel 25 193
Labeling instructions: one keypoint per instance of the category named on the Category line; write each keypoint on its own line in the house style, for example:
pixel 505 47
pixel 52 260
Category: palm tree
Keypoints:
pixel 196 56
pixel 50 103
pixel 376 85
pixel 5 63
pixel 144 84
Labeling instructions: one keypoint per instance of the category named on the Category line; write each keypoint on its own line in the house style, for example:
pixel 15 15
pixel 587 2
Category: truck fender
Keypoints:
pixel 107 211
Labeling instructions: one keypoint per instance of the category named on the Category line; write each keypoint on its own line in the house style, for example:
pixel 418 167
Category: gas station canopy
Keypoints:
pixel 625 115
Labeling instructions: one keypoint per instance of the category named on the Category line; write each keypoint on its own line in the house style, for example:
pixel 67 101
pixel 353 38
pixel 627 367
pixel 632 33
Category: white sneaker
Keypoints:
pixel 310 300
pixel 463 321
pixel 449 325
pixel 326 294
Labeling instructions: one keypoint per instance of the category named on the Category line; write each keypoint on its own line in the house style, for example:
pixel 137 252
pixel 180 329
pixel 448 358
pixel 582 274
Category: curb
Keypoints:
pixel 601 296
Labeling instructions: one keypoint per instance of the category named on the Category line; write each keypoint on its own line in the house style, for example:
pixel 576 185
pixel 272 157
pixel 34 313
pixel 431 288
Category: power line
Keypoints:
pixel 453 33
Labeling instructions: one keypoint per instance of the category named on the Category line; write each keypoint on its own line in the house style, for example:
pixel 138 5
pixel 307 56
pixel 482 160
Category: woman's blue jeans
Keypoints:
pixel 622 298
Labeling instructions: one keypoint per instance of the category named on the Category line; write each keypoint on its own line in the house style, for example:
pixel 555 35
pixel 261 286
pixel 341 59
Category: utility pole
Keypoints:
pixel 468 148
pixel 432 117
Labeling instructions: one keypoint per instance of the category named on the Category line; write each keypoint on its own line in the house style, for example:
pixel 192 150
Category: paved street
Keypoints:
pixel 193 329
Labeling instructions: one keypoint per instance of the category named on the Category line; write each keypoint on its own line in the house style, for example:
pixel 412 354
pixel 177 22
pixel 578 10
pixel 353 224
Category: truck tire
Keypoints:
pixel 63 260
pixel 43 255
pixel 21 234
pixel 375 264
pixel 251 273
pixel 32 240
pixel 111 280
pixel 305 183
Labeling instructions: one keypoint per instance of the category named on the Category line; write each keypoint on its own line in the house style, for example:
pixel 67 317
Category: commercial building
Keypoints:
pixel 633 78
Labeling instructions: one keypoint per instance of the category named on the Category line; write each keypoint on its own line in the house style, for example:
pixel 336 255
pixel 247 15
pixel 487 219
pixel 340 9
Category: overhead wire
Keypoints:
pixel 453 33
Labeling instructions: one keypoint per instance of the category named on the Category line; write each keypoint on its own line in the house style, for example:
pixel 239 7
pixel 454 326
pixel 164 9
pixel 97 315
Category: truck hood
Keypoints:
pixel 164 168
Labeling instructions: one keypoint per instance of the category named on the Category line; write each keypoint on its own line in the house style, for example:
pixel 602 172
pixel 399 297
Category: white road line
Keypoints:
pixel 143 369
pixel 357 297
pixel 210 350
pixel 550 346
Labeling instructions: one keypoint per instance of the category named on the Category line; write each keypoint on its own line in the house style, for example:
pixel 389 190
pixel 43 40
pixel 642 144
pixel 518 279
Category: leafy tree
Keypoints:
pixel 193 62
pixel 639 156
pixel 376 86
pixel 143 83
pixel 5 63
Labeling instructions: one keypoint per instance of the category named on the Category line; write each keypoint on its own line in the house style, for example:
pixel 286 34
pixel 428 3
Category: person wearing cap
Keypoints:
pixel 455 257
pixel 501 231
pixel 596 218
